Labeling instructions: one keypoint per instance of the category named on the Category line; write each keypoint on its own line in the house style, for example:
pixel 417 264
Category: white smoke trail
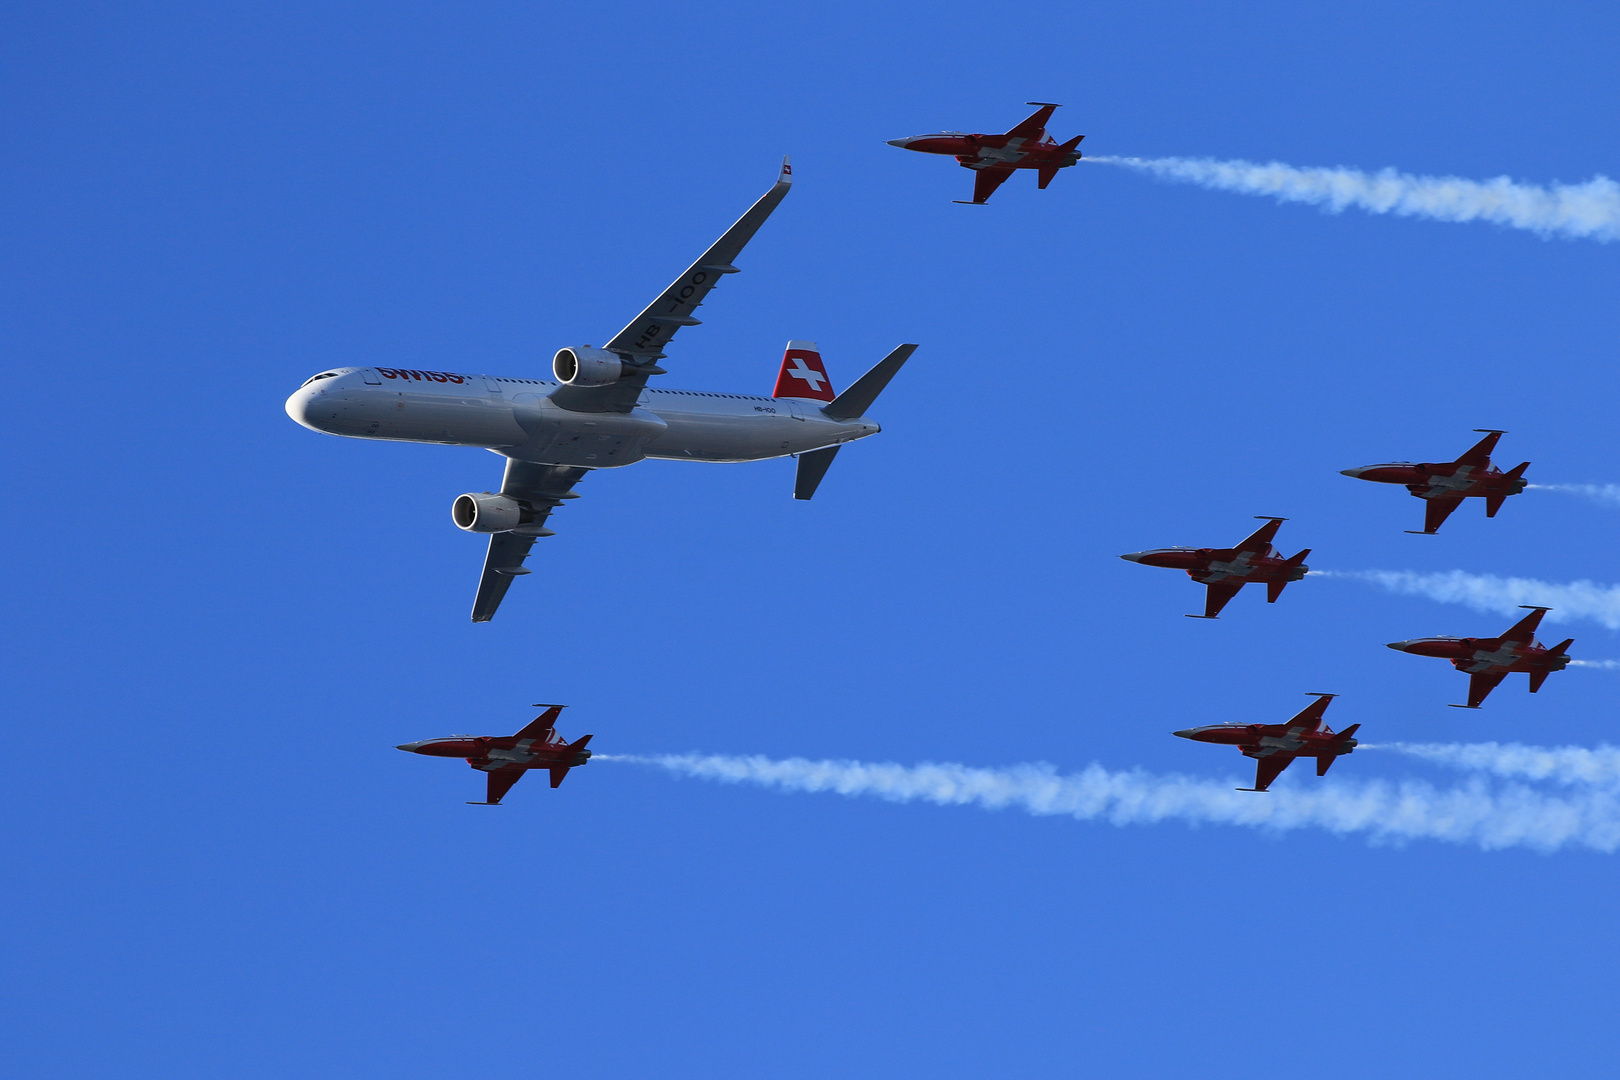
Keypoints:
pixel 1585 211
pixel 1607 494
pixel 1501 595
pixel 1568 765
pixel 1476 813
pixel 1605 665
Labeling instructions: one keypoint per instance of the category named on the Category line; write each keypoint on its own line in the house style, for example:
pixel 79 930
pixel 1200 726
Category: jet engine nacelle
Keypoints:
pixel 581 366
pixel 486 513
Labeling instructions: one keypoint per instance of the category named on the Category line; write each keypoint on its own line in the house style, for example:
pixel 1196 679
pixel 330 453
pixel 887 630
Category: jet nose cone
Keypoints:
pixel 1352 472
pixel 1136 556
pixel 1184 733
pixel 412 746
pixel 1401 646
pixel 901 143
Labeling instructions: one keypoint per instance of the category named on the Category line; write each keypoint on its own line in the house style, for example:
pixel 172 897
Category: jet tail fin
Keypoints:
pixel 560 771
pixel 854 402
pixel 813 465
pixel 1044 174
pixel 1274 588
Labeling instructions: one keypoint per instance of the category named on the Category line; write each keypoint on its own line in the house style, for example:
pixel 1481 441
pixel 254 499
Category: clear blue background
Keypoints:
pixel 218 624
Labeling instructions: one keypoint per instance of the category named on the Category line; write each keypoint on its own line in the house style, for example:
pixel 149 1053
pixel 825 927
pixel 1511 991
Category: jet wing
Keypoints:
pixel 985 182
pixel 1216 598
pixel 541 486
pixel 1266 770
pixel 1480 452
pixel 1035 126
pixel 1480 686
pixel 1524 631
pixel 644 339
pixel 501 781
pixel 1310 717
pixel 541 724
pixel 1435 512
pixel 1259 541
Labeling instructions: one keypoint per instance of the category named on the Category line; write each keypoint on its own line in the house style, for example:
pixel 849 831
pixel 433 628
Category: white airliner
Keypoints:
pixel 599 413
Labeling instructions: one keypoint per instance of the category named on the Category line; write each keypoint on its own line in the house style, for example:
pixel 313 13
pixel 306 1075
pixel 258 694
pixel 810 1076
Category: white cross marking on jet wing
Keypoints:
pixel 807 373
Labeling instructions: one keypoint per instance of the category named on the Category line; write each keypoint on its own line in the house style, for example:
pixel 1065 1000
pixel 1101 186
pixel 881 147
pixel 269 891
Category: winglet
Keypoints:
pixel 785 177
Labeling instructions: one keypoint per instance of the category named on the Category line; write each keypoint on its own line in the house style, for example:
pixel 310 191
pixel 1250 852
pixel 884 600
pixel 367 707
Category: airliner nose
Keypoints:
pixel 298 408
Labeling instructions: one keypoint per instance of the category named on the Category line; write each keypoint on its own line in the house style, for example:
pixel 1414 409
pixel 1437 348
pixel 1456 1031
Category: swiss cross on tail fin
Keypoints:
pixel 803 375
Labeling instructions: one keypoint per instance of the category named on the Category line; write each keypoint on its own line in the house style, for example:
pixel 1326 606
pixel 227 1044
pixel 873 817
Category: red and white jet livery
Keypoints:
pixel 1490 660
pixel 1227 570
pixel 1275 746
pixel 598 412
pixel 1445 484
pixel 994 157
pixel 507 757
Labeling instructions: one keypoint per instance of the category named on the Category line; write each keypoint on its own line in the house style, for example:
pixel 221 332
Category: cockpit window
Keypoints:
pixel 322 375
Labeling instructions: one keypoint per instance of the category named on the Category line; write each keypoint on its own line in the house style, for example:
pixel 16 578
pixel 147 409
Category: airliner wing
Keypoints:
pixel 541 486
pixel 643 341
pixel 649 332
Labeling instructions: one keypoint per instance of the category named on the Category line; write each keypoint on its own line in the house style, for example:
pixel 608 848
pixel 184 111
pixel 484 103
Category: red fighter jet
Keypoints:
pixel 1445 484
pixel 994 157
pixel 507 757
pixel 1490 660
pixel 1226 570
pixel 1275 746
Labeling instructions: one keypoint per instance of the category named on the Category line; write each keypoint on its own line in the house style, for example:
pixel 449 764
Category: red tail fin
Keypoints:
pixel 803 375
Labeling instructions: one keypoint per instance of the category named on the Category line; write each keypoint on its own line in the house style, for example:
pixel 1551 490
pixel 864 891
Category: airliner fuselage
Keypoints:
pixel 516 417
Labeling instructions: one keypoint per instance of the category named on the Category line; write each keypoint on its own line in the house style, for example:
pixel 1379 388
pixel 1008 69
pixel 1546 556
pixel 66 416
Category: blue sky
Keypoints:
pixel 219 623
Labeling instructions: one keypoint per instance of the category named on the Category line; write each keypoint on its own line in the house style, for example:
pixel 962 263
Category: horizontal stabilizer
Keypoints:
pixel 854 402
pixel 813 466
